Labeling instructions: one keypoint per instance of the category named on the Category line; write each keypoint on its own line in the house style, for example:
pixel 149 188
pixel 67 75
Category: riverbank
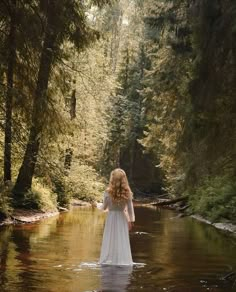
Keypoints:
pixel 26 216
pixel 229 227
pixel 182 208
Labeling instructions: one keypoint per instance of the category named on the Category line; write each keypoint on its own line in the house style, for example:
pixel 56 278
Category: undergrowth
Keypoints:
pixel 82 182
pixel 85 183
pixel 215 199
pixel 40 197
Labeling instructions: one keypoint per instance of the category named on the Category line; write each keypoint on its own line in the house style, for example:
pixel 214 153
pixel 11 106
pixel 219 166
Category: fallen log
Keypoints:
pixel 228 276
pixel 170 202
pixel 181 209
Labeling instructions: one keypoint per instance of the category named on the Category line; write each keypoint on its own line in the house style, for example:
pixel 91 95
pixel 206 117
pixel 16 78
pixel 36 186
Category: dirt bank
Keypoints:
pixel 24 216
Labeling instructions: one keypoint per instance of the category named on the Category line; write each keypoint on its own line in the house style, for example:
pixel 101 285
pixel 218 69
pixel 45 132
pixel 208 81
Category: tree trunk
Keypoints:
pixel 9 94
pixel 24 179
pixel 170 202
pixel 132 158
pixel 73 105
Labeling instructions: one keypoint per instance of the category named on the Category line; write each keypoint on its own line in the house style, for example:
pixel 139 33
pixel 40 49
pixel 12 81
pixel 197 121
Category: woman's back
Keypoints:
pixel 112 205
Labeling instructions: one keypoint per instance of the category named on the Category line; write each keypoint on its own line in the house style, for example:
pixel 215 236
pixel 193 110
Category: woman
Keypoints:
pixel 117 199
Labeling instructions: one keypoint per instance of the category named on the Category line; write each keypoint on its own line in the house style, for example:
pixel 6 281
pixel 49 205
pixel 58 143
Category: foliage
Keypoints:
pixel 77 67
pixel 126 119
pixel 189 99
pixel 134 79
pixel 181 109
pixel 215 199
pixel 40 197
pixel 85 183
pixel 166 97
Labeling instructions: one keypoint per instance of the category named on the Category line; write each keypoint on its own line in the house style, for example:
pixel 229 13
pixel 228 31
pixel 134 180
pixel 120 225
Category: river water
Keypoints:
pixel 170 254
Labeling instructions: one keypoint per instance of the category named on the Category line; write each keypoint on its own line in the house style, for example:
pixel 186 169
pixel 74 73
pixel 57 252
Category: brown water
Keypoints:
pixel 61 254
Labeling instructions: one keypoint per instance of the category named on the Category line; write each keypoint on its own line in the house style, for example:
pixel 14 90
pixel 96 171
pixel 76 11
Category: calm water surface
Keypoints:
pixel 61 254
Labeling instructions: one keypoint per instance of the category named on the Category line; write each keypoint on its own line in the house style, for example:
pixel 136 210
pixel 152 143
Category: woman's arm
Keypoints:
pixel 131 210
pixel 105 202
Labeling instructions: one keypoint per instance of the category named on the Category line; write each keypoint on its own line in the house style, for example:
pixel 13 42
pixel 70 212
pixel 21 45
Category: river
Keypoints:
pixel 170 254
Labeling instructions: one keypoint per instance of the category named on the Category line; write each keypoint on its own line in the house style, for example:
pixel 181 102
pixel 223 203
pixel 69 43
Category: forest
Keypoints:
pixel 88 86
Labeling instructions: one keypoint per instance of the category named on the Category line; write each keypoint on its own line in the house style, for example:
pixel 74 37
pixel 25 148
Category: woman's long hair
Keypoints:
pixel 118 187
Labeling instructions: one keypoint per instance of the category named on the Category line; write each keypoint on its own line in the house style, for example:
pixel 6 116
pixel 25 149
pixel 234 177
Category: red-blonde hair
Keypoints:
pixel 118 187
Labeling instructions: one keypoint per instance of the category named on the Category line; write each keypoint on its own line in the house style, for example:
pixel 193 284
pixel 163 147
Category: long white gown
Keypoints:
pixel 115 248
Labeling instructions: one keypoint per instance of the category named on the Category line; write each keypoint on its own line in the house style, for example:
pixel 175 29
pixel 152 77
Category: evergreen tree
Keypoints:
pixel 63 20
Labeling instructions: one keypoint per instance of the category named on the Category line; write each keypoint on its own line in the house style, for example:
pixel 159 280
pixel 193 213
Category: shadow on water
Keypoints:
pixel 61 254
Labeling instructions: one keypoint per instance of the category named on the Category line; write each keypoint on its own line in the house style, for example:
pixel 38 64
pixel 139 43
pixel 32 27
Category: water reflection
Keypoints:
pixel 115 278
pixel 21 240
pixel 4 243
pixel 61 254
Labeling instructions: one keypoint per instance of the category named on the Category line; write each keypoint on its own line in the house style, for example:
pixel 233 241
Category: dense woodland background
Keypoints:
pixel 87 86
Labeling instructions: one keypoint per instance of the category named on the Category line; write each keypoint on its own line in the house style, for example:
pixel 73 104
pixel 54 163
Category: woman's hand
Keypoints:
pixel 131 224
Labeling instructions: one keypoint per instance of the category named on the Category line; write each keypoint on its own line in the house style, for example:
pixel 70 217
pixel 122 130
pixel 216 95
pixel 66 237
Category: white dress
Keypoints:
pixel 115 248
